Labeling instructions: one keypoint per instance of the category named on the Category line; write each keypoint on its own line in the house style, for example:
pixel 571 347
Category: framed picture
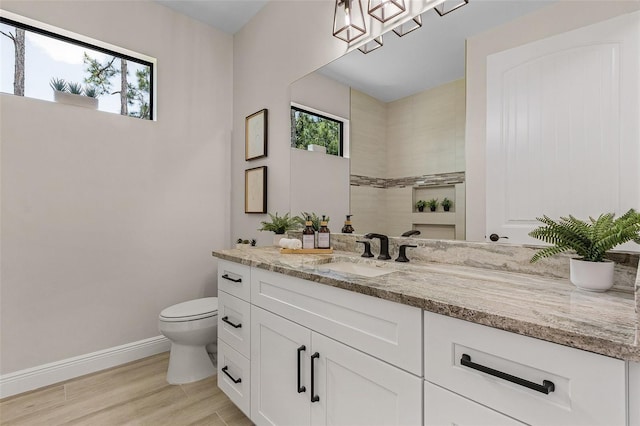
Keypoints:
pixel 255 135
pixel 255 190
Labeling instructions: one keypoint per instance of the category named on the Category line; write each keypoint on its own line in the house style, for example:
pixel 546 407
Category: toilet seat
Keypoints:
pixel 191 310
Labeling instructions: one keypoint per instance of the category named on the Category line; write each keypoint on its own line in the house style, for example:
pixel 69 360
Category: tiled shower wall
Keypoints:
pixel 417 140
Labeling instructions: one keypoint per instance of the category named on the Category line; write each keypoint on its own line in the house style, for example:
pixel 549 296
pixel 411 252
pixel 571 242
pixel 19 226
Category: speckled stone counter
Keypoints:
pixel 540 306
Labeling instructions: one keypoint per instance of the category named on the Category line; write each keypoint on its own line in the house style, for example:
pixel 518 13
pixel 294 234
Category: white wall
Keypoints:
pixel 555 19
pixel 108 219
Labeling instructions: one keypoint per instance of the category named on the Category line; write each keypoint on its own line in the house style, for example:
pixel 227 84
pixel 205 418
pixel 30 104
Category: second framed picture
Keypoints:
pixel 255 135
pixel 255 190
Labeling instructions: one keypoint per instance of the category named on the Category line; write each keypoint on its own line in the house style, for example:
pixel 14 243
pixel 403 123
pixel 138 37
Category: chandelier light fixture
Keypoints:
pixel 449 6
pixel 348 20
pixel 407 27
pixel 372 45
pixel 384 10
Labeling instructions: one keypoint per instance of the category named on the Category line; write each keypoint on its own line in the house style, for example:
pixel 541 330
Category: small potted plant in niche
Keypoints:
pixel 433 204
pixel 279 225
pixel 420 204
pixel 590 240
pixel 446 204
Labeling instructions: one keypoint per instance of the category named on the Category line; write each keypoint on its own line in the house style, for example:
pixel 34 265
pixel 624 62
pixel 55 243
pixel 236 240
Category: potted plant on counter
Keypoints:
pixel 446 204
pixel 590 240
pixel 433 204
pixel 420 204
pixel 240 243
pixel 279 225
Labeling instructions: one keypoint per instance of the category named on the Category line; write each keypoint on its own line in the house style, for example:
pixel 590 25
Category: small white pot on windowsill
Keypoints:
pixel 73 99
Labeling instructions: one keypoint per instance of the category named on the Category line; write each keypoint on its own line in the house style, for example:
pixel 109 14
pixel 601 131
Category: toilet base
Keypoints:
pixel 189 364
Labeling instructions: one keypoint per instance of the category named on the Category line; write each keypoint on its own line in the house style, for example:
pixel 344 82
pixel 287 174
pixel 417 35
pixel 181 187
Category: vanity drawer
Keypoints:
pixel 234 376
pixel 234 322
pixel 234 278
pixel 470 359
pixel 442 407
pixel 386 330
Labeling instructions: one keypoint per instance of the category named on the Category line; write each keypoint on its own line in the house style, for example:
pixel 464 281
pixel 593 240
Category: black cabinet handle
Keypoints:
pixel 300 388
pixel 546 386
pixel 224 370
pixel 226 319
pixel 314 398
pixel 227 277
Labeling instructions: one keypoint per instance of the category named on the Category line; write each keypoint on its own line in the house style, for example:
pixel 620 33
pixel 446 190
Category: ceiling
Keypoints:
pixel 428 57
pixel 226 15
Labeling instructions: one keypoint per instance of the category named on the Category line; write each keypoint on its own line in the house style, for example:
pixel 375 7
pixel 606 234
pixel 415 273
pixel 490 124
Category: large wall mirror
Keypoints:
pixel 406 104
pixel 410 105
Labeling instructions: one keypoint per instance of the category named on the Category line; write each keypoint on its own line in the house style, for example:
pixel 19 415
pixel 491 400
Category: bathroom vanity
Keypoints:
pixel 306 339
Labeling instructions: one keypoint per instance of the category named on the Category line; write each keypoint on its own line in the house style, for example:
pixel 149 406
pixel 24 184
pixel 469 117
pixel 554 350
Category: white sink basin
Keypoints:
pixel 363 270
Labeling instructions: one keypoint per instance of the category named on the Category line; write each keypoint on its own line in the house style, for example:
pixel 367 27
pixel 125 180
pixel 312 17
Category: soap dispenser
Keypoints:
pixel 347 228
pixel 308 235
pixel 324 235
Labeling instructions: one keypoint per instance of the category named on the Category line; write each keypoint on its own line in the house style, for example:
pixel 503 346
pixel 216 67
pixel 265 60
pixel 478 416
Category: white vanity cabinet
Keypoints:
pixel 323 355
pixel 300 377
pixel 634 394
pixel 533 381
pixel 234 333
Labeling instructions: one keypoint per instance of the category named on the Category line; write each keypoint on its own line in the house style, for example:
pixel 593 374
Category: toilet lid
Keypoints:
pixel 191 310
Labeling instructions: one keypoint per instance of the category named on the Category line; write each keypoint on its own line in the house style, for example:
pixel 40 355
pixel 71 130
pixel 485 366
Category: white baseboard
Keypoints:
pixel 55 372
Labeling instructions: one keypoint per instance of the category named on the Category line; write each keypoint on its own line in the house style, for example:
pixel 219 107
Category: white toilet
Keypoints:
pixel 190 326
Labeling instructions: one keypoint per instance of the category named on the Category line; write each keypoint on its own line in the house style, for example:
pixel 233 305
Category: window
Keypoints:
pixel 42 62
pixel 309 127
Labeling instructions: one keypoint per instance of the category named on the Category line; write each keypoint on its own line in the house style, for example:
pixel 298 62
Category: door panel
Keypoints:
pixel 357 389
pixel 562 128
pixel 275 399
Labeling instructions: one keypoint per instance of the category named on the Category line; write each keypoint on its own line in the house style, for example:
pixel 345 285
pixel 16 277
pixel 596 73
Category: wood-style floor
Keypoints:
pixel 132 394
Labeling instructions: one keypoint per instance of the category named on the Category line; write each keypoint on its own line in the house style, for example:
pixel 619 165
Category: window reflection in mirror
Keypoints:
pixel 314 128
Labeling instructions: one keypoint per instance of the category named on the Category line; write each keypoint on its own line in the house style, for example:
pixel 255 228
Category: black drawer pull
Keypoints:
pixel 227 277
pixel 224 370
pixel 546 386
pixel 314 398
pixel 300 388
pixel 226 319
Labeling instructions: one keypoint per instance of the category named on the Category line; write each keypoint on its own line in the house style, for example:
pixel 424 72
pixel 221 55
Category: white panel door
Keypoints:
pixel 562 128
pixel 352 388
pixel 277 345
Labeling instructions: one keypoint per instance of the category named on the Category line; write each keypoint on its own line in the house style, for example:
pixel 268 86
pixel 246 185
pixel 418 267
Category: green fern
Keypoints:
pixel 590 240
pixel 280 224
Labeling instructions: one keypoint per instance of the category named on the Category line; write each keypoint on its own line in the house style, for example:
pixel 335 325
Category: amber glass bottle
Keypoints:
pixel 324 235
pixel 308 235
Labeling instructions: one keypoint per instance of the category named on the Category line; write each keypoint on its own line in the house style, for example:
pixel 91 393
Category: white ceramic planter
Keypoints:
pixel 73 99
pixel 277 238
pixel 591 276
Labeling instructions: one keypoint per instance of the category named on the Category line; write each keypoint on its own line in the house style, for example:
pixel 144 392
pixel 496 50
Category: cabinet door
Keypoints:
pixel 277 345
pixel 356 389
pixel 442 407
pixel 634 394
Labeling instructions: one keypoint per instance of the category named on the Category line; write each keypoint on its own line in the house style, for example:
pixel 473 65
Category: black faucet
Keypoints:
pixel 384 245
pixel 402 256
pixel 410 233
pixel 367 248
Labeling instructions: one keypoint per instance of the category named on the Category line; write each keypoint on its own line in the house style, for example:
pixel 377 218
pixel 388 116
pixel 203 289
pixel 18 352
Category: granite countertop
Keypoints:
pixel 546 308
